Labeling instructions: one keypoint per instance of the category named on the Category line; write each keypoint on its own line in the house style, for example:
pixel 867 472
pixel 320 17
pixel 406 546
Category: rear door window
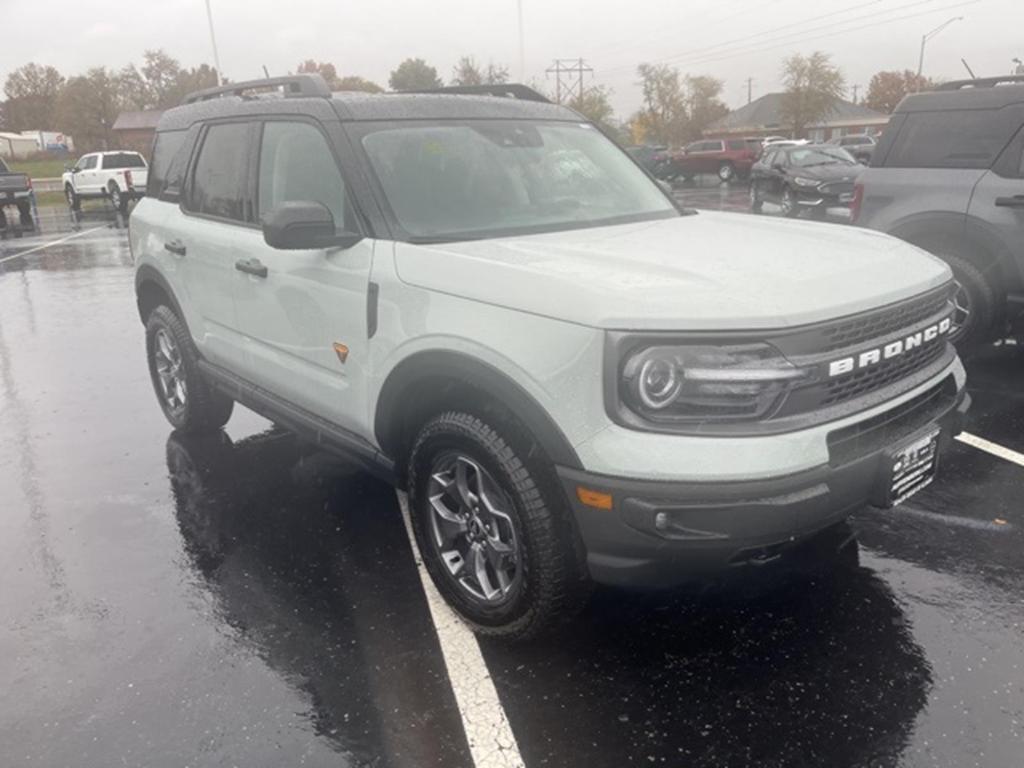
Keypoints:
pixel 737 145
pixel 953 139
pixel 218 182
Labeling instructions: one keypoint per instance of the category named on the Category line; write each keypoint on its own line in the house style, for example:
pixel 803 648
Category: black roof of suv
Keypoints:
pixel 310 94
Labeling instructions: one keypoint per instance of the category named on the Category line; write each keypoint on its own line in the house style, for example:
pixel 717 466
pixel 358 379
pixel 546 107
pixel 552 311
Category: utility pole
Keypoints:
pixel 750 89
pixel 928 36
pixel 213 40
pixel 855 89
pixel 568 77
pixel 522 48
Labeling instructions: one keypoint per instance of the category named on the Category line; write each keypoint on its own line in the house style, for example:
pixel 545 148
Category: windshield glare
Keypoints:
pixel 807 156
pixel 459 180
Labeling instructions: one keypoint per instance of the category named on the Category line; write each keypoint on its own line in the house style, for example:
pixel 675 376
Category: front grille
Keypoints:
pixel 891 426
pixel 837 188
pixel 887 372
pixel 868 326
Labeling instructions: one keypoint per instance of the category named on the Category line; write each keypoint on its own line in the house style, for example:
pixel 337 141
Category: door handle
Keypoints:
pixel 1017 201
pixel 176 247
pixel 251 267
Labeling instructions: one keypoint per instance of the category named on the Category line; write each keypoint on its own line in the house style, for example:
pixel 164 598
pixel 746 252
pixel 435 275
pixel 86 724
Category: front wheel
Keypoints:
pixel 187 400
pixel 495 533
pixel 726 173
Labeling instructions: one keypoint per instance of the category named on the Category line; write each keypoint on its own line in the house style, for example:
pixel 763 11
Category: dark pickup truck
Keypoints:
pixel 15 190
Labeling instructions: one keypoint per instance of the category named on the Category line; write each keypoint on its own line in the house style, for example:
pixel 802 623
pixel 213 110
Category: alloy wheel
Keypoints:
pixel 472 530
pixel 788 203
pixel 961 312
pixel 170 371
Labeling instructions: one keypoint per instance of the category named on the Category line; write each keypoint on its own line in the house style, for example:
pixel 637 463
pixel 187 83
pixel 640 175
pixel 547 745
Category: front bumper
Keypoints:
pixel 664 533
pixel 813 198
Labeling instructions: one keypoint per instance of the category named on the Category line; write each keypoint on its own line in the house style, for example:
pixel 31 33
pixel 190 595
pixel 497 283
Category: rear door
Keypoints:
pixel 306 302
pixel 211 231
pixel 996 214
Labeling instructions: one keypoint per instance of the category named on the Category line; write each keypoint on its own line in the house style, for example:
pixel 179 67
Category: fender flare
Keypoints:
pixel 399 386
pixel 149 274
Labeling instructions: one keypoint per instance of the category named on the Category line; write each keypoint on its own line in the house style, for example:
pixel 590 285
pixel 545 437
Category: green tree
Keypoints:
pixel 467 72
pixel 325 69
pixel 162 74
pixel 595 105
pixel 887 89
pixel 414 75
pixel 813 86
pixel 356 83
pixel 32 92
pixel 87 108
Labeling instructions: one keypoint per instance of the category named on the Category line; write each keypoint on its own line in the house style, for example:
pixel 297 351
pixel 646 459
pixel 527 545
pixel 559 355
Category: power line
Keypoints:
pixel 724 55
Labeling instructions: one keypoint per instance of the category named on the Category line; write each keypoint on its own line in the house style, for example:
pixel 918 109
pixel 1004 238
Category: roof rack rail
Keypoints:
pixel 293 85
pixel 505 90
pixel 981 82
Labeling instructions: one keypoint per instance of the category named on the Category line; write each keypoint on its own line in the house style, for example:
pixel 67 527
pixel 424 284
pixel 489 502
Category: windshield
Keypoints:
pixel 805 157
pixel 464 180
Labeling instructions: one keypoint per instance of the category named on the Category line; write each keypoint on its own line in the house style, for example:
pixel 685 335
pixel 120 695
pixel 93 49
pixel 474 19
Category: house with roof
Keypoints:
pixel 135 130
pixel 763 117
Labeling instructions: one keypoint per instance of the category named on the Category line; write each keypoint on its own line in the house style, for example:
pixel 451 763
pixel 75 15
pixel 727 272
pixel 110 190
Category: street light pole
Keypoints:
pixel 213 40
pixel 925 38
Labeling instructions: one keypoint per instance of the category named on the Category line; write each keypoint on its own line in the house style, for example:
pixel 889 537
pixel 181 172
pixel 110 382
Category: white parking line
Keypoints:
pixel 51 244
pixel 989 447
pixel 490 738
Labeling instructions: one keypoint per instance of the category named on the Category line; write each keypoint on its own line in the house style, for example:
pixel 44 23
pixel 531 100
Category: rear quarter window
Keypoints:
pixel 738 145
pixel 953 139
pixel 166 169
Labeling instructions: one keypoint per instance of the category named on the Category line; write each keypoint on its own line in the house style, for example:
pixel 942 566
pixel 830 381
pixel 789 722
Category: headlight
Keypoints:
pixel 686 384
pixel 800 181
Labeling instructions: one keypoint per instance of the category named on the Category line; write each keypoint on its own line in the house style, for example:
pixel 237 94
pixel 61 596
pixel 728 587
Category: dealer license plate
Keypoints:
pixel 912 466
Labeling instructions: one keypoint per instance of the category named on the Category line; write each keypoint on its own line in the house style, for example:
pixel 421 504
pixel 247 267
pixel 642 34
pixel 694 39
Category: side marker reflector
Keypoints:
pixel 594 499
pixel 342 351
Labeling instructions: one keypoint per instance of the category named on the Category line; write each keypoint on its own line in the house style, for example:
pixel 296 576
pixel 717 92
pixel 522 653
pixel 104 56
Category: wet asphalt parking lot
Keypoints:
pixel 244 600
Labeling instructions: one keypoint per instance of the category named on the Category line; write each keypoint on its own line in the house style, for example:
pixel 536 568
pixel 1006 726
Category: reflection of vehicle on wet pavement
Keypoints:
pixel 948 176
pixel 810 178
pixel 494 324
pixel 16 193
pixel 119 177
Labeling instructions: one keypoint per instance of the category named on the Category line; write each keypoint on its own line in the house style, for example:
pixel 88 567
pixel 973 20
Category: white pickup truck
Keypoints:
pixel 118 176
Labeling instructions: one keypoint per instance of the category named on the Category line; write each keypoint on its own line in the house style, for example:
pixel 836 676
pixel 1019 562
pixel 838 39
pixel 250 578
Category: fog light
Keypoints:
pixel 661 521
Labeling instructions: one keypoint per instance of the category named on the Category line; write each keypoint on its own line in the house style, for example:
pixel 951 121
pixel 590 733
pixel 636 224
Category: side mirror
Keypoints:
pixel 304 225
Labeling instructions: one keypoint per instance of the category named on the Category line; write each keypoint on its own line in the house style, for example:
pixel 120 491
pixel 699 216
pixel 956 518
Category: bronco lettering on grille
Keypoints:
pixel 893 349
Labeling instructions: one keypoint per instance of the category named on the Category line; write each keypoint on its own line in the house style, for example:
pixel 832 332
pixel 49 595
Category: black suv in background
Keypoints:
pixel 948 176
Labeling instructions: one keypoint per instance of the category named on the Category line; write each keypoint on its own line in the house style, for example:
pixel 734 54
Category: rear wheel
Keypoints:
pixel 495 533
pixel 73 201
pixel 116 198
pixel 25 216
pixel 187 400
pixel 975 305
pixel 726 172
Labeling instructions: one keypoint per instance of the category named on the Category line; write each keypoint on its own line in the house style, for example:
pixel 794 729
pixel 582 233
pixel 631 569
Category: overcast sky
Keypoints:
pixel 729 39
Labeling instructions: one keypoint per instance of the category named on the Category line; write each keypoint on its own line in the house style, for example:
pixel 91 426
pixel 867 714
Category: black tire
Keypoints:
pixel 726 173
pixel 117 198
pixel 981 301
pixel 550 583
pixel 25 219
pixel 74 201
pixel 201 408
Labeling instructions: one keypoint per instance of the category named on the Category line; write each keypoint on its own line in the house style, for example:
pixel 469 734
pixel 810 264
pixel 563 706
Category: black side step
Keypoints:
pixel 322 433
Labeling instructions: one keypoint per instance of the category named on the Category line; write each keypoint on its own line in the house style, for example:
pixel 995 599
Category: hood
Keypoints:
pixel 838 172
pixel 710 271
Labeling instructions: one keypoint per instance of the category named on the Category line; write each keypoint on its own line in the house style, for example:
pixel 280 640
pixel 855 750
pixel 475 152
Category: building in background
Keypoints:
pixel 14 145
pixel 762 117
pixel 135 130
